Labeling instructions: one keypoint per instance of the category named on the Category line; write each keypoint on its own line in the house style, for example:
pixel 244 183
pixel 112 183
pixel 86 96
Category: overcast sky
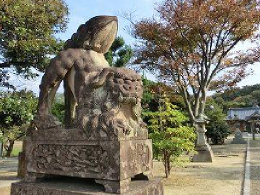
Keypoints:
pixel 83 10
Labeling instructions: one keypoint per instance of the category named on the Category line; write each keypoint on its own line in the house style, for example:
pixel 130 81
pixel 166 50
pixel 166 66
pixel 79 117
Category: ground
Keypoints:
pixel 224 176
pixel 8 169
pixel 254 164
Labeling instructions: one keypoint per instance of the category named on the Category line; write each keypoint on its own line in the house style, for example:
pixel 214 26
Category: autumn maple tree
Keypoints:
pixel 191 44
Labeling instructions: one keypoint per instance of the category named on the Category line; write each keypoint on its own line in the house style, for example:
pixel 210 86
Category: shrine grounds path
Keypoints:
pixel 225 176
pixel 8 171
pixel 254 163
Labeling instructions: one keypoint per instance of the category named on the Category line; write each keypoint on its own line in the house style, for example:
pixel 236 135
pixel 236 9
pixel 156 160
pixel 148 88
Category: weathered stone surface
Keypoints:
pixel 110 106
pixel 204 154
pixel 238 139
pixel 73 186
pixel 203 149
pixel 110 160
pixel 61 134
pixel 81 59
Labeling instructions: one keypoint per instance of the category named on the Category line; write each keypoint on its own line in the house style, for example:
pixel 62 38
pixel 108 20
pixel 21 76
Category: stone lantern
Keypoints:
pixel 1 144
pixel 204 152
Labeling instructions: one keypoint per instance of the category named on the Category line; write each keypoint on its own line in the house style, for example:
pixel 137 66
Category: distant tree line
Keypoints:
pixel 236 97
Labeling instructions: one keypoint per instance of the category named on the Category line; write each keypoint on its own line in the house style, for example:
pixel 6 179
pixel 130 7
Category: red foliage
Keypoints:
pixel 190 44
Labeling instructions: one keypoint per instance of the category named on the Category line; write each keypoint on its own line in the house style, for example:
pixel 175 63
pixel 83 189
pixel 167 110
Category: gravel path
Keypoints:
pixel 8 172
pixel 222 177
pixel 255 167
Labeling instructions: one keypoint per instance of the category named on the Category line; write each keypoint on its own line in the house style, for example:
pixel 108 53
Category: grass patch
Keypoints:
pixel 17 148
pixel 16 152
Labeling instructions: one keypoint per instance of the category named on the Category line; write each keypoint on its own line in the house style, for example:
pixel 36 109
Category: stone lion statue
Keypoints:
pixel 105 139
pixel 103 101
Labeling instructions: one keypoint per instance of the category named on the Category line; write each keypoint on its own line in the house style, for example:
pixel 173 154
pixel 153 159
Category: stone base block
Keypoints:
pixel 104 160
pixel 204 154
pixel 238 141
pixel 75 186
pixel 21 165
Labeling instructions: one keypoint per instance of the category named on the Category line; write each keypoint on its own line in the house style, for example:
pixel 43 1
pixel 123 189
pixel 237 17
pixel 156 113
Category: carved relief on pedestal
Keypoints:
pixel 70 159
pixel 136 158
pixel 143 155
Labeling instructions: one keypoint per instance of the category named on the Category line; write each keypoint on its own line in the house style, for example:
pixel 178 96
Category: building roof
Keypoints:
pixel 242 113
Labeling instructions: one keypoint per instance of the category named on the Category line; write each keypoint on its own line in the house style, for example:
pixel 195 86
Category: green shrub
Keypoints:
pixel 170 133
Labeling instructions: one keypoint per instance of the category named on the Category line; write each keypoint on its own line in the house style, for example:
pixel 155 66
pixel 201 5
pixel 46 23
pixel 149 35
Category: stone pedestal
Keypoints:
pixel 204 154
pixel 72 186
pixel 111 163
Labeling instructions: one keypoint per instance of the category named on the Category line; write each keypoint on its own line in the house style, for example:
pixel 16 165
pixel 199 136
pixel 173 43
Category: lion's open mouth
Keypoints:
pixel 129 85
pixel 128 100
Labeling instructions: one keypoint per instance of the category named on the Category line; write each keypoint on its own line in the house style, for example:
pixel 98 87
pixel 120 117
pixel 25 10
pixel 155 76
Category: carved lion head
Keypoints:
pixel 112 100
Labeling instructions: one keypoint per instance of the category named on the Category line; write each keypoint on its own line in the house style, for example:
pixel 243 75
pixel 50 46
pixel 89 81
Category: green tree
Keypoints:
pixel 58 108
pixel 119 53
pixel 27 29
pixel 246 96
pixel 170 133
pixel 16 112
pixel 149 100
pixel 217 128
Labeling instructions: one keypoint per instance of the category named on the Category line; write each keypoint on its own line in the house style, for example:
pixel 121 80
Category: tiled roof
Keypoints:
pixel 241 113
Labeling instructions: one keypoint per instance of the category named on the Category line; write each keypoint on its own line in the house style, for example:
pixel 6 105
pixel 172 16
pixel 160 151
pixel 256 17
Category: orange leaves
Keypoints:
pixel 228 62
pixel 230 78
pixel 146 29
pixel 191 40
pixel 210 16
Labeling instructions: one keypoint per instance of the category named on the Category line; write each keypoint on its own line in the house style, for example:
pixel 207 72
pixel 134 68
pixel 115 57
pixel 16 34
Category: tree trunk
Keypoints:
pixel 203 101
pixel 167 163
pixel 9 148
